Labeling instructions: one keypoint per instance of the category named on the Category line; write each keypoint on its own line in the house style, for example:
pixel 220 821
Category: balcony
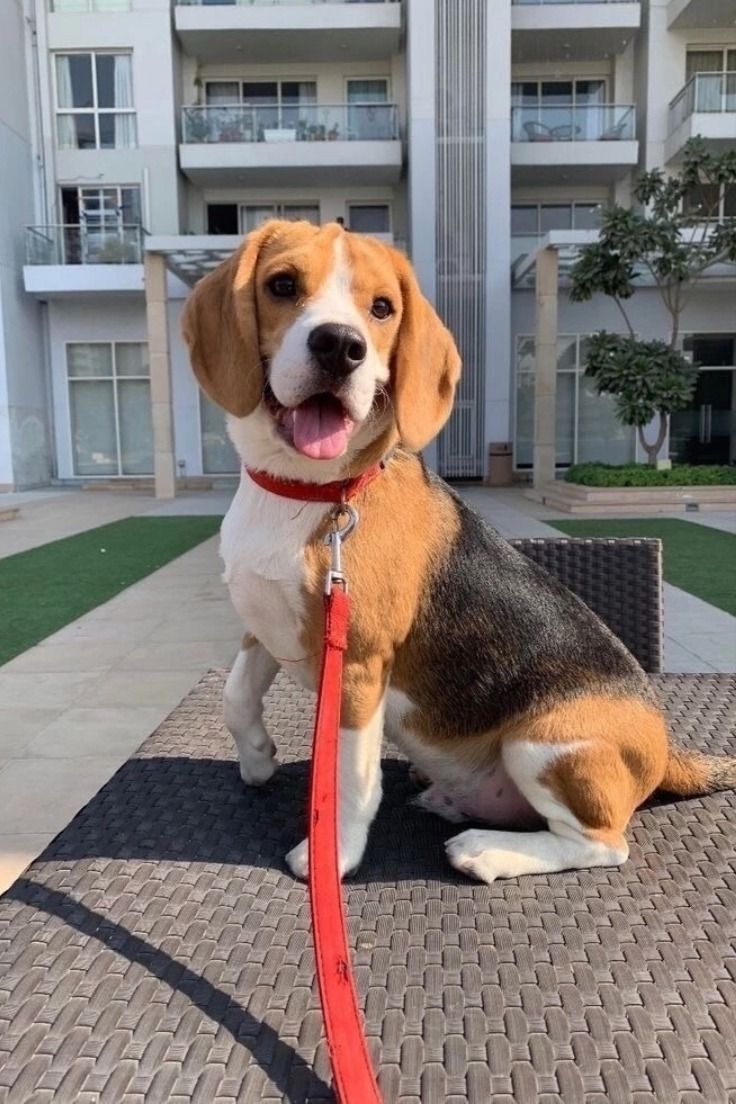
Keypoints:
pixel 71 259
pixel 277 30
pixel 682 14
pixel 572 30
pixel 324 143
pixel 705 106
pixel 587 144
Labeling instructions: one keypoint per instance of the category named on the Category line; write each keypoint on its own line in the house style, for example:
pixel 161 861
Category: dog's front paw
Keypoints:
pixel 471 854
pixel 298 860
pixel 257 756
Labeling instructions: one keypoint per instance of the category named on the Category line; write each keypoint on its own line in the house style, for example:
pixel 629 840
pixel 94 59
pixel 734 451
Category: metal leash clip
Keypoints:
pixel 334 538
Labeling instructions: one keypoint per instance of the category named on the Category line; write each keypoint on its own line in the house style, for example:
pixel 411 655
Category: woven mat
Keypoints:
pixel 159 950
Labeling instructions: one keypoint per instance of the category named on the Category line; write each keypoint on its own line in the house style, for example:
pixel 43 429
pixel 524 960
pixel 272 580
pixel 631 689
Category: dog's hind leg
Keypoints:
pixel 584 766
pixel 252 674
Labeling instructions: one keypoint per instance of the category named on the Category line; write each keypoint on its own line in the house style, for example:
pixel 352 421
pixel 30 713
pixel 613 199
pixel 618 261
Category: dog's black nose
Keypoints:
pixel 338 349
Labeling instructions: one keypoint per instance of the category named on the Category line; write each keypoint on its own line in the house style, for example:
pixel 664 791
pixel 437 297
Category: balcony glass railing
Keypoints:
pixel 273 3
pixel 706 93
pixel 531 2
pixel 89 5
pixel 72 244
pixel 360 122
pixel 581 123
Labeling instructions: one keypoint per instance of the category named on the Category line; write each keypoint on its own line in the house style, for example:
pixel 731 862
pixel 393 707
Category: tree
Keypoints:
pixel 673 236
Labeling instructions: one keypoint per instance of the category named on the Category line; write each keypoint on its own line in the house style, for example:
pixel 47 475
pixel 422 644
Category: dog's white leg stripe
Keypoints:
pixel 252 674
pixel 489 855
pixel 360 794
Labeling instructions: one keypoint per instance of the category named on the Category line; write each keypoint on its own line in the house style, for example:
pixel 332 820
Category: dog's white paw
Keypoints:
pixel 471 854
pixel 257 756
pixel 298 860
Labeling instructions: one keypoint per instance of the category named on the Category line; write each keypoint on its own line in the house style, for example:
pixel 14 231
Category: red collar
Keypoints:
pixel 340 491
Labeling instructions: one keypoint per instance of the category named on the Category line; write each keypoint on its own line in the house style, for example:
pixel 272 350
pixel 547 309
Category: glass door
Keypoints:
pixel 366 122
pixel 705 432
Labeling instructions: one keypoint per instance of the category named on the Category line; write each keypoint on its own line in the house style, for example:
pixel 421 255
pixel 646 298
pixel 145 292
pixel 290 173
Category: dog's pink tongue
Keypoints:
pixel 321 428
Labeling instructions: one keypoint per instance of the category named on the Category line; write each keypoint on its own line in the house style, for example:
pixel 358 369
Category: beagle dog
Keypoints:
pixel 512 698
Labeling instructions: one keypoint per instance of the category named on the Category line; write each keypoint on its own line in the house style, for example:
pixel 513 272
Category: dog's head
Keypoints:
pixel 320 346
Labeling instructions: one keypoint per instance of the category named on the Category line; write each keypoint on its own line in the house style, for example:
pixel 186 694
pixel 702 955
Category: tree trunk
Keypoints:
pixel 652 450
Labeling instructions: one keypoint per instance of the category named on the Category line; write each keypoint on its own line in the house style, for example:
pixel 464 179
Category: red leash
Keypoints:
pixel 352 1070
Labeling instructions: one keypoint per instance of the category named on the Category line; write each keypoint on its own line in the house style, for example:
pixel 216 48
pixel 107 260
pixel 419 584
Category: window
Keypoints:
pixel 101 224
pixel 587 427
pixel 537 219
pixel 94 100
pixel 276 105
pixel 110 408
pixel 711 201
pixel 715 60
pixel 218 454
pixel 369 218
pixel 231 218
pixel 559 110
pixel 367 121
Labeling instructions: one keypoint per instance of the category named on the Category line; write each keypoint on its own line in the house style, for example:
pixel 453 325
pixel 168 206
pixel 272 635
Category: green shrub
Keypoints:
pixel 642 475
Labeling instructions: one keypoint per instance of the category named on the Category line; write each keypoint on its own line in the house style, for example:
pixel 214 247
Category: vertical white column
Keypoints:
pixel 160 362
pixel 498 368
pixel 545 374
pixel 421 152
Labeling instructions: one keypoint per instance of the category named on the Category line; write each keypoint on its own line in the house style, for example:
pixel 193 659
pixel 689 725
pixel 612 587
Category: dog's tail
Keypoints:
pixel 690 774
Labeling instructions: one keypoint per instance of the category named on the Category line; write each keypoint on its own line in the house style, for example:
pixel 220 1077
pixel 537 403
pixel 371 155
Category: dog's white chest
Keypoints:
pixel 262 546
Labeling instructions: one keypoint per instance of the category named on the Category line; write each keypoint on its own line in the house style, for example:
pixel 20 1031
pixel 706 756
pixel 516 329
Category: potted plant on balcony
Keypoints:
pixel 333 134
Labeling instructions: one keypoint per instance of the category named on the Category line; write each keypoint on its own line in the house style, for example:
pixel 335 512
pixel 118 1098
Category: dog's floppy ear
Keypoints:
pixel 220 327
pixel 426 365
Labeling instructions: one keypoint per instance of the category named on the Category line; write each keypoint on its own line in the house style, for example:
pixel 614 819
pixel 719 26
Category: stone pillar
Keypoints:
pixel 545 376
pixel 164 458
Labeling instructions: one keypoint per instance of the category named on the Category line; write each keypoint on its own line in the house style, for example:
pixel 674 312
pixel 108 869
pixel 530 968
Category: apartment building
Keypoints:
pixel 147 137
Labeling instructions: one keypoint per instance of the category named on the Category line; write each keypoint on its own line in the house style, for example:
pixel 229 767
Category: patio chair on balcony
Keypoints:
pixel 539 132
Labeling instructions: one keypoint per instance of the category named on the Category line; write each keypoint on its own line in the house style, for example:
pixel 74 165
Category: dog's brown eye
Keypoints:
pixel 283 286
pixel 381 308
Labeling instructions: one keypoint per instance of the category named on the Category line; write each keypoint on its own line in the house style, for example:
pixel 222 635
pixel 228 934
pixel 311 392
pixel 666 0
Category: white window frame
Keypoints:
pixel 578 373
pixel 113 379
pixel 241 80
pixel 350 203
pixel 95 111
pixel 278 209
pixel 540 203
pixel 367 77
pixel 555 79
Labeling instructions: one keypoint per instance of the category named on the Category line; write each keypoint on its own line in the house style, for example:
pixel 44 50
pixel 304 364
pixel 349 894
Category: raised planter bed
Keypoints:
pixel 574 498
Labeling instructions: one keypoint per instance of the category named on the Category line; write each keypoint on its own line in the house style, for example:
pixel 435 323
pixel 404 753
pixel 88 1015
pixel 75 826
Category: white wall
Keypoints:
pixel 146 30
pixel 25 459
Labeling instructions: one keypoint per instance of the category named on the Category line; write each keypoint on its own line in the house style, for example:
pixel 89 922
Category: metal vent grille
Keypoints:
pixel 461 220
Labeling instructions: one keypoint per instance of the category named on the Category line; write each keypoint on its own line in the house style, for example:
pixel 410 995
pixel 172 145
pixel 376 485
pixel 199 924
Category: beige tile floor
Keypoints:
pixel 75 707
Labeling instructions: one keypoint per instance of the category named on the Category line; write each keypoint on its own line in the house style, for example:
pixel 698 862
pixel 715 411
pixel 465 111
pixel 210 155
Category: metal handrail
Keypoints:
pixel 573 123
pixel 721 97
pixel 305 122
pixel 82 243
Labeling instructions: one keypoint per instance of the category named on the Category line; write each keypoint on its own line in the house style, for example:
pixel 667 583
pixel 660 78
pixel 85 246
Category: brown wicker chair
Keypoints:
pixel 621 581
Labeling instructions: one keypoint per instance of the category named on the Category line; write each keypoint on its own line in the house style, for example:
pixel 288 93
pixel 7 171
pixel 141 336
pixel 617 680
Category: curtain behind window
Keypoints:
pixel 124 124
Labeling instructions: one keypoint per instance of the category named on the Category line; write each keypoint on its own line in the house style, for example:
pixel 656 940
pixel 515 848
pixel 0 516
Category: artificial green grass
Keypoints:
pixel 45 588
pixel 696 558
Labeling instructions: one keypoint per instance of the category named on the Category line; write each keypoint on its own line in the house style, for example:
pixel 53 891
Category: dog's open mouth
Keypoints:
pixel 320 427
